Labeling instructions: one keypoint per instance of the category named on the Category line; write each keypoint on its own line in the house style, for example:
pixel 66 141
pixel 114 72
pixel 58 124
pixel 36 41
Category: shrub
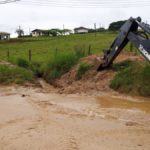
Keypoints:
pixel 123 65
pixel 59 65
pixel 14 75
pixel 134 79
pixel 80 51
pixel 22 63
pixel 83 68
pixel 37 69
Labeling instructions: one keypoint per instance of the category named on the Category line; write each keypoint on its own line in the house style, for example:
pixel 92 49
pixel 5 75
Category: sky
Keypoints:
pixel 32 16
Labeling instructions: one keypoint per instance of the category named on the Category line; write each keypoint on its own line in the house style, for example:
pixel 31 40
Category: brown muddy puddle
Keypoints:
pixel 121 103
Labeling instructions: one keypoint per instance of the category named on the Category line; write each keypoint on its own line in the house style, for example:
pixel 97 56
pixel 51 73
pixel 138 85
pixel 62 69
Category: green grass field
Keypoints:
pixel 52 56
pixel 44 47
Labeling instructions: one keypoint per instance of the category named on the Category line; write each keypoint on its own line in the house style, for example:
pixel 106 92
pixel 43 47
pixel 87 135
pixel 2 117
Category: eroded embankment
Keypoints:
pixel 92 81
pixel 129 74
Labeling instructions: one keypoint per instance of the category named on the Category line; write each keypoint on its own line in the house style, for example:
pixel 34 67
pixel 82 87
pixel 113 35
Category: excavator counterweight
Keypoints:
pixel 128 32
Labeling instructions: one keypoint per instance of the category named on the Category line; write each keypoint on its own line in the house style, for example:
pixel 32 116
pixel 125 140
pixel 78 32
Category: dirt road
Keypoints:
pixel 37 119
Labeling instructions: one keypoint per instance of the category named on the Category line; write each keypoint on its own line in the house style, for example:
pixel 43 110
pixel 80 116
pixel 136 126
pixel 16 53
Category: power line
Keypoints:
pixel 85 3
pixel 122 5
pixel 8 1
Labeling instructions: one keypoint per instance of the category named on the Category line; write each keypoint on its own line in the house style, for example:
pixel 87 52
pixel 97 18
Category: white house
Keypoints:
pixel 81 30
pixel 39 32
pixel 4 36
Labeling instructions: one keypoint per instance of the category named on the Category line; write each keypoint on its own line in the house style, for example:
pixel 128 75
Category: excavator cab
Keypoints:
pixel 135 32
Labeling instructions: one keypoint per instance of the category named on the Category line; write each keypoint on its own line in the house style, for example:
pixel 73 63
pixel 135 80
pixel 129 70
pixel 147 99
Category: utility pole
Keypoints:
pixel 29 31
pixel 95 28
pixel 63 29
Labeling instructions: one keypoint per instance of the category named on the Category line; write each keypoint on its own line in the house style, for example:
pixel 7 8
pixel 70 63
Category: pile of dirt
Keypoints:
pixel 92 81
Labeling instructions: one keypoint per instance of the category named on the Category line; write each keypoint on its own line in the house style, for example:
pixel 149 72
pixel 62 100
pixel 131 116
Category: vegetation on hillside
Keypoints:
pixel 15 75
pixel 132 77
pixel 62 63
pixel 54 56
pixel 83 68
pixel 43 48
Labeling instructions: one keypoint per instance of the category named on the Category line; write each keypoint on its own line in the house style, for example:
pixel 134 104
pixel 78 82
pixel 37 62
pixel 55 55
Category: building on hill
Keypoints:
pixel 50 32
pixel 39 32
pixel 4 36
pixel 81 30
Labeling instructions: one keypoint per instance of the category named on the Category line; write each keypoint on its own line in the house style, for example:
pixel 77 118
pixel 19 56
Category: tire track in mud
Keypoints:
pixel 72 145
pixel 49 106
pixel 11 122
pixel 45 107
pixel 64 127
pixel 69 142
pixel 41 108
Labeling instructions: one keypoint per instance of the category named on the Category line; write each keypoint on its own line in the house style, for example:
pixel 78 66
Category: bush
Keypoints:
pixel 83 68
pixel 37 69
pixel 22 63
pixel 123 65
pixel 14 75
pixel 59 65
pixel 134 79
pixel 80 51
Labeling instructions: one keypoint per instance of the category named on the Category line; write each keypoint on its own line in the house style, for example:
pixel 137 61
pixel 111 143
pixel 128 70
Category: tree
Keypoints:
pixel 114 26
pixel 20 32
pixel 65 31
pixel 54 32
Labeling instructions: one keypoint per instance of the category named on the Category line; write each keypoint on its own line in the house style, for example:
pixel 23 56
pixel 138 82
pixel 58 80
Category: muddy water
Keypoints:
pixel 37 119
pixel 115 102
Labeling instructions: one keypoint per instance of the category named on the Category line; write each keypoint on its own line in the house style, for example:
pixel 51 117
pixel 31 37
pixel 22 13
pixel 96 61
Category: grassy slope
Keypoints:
pixel 47 64
pixel 44 47
pixel 15 75
pixel 132 77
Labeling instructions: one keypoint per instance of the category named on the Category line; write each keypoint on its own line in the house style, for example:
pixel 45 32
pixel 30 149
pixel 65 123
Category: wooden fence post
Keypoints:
pixel 30 54
pixel 56 51
pixel 8 54
pixel 89 50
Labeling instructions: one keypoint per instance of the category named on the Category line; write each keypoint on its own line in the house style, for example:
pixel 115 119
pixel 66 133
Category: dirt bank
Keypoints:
pixel 39 119
pixel 92 82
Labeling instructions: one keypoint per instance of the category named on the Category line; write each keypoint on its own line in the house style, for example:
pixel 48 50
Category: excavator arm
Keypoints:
pixel 128 32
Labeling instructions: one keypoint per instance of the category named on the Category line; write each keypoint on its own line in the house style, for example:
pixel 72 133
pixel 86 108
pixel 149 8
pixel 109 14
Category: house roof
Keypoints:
pixel 4 33
pixel 79 28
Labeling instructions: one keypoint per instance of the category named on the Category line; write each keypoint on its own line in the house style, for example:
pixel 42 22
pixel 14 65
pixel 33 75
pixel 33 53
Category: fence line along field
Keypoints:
pixel 44 47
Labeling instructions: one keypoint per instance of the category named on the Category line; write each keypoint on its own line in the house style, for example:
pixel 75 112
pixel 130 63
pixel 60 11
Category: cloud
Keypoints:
pixel 13 15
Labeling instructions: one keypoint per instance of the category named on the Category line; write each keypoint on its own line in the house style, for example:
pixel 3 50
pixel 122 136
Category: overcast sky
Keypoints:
pixel 46 17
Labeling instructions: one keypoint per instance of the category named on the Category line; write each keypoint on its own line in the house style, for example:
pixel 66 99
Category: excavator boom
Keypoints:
pixel 128 32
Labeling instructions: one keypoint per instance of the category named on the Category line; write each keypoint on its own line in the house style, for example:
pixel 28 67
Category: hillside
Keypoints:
pixel 69 64
pixel 44 47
